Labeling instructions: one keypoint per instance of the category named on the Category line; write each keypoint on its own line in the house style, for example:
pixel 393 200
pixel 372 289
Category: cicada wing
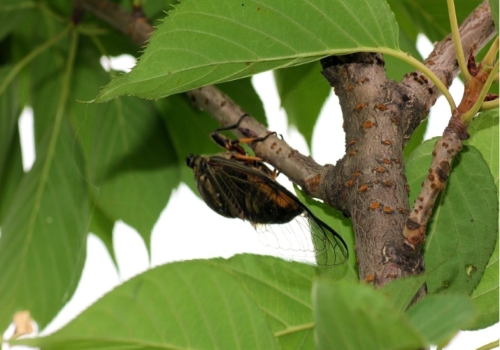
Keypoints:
pixel 282 222
pixel 330 248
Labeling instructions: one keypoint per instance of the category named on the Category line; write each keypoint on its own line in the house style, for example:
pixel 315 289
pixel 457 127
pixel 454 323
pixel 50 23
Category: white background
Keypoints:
pixel 173 239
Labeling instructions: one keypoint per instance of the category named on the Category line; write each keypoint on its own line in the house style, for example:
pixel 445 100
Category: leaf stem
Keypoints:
pixel 488 105
pixel 467 116
pixel 405 57
pixel 494 344
pixel 457 43
pixel 489 58
pixel 33 54
pixel 290 330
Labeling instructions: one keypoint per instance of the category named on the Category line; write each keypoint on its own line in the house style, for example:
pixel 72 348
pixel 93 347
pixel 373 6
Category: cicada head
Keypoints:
pixel 209 188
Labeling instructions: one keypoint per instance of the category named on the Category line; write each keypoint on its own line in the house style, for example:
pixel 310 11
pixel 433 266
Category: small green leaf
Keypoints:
pixel 202 43
pixel 343 226
pixel 484 136
pixel 303 91
pixel 402 290
pixel 440 317
pixel 429 17
pixel 396 68
pixel 352 316
pixel 485 296
pixel 245 302
pixel 463 230
pixel 417 137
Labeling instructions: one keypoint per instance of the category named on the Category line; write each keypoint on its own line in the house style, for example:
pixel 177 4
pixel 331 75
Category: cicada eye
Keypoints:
pixel 190 161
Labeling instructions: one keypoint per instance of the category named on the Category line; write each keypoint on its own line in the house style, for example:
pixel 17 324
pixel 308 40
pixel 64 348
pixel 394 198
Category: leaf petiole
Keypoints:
pixel 457 43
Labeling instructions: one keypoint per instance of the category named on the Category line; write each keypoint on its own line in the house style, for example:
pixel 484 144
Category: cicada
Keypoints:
pixel 236 185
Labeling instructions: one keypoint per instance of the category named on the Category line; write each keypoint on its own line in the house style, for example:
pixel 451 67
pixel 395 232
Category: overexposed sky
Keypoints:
pixel 172 240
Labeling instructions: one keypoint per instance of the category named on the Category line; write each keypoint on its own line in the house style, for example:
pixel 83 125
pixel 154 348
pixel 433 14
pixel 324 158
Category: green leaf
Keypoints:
pixel 130 161
pixel 303 91
pixel 463 230
pixel 484 136
pixel 102 226
pixel 11 168
pixel 245 302
pixel 402 290
pixel 243 93
pixel 429 17
pixel 396 68
pixel 12 13
pixel 203 43
pixel 440 317
pixel 494 12
pixel 43 242
pixel 353 316
pixel 485 296
pixel 417 137
pixel 343 226
pixel 188 129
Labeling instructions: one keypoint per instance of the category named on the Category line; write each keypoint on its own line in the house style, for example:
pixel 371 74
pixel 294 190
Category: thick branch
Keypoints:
pixel 369 182
pixel 379 116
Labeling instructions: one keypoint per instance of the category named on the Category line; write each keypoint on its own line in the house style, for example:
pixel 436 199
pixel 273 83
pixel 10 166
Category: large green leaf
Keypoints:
pixel 440 317
pixel 463 230
pixel 303 91
pixel 203 42
pixel 43 242
pixel 42 248
pixel 484 136
pixel 245 302
pixel 352 316
pixel 130 161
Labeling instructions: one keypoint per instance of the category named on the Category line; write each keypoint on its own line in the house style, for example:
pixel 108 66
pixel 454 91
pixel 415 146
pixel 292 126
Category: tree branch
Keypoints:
pixel 379 117
pixel 476 31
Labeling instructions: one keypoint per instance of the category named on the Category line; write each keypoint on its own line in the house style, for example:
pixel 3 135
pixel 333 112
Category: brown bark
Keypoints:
pixel 379 117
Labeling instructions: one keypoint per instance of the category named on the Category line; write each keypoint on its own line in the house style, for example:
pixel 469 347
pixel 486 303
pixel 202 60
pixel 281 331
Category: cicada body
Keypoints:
pixel 248 190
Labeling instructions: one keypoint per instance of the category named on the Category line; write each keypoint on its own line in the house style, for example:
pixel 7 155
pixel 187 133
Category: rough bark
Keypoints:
pixel 379 117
